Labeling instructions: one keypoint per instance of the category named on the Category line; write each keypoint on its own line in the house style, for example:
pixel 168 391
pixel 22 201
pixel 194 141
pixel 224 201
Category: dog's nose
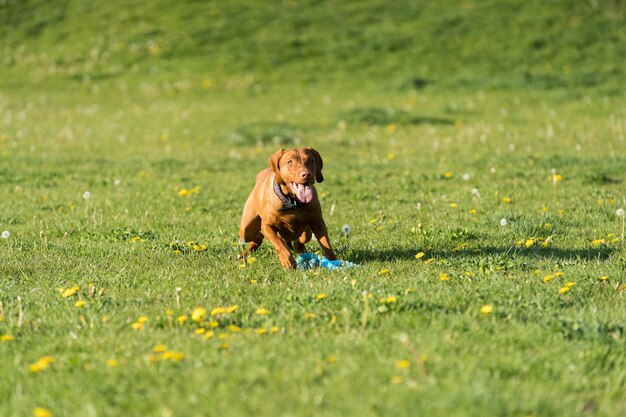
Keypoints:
pixel 304 174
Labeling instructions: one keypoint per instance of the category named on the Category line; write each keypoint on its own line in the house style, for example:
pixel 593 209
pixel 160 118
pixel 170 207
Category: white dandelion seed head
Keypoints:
pixel 346 229
pixel 620 212
pixel 5 234
pixel 553 171
pixel 86 195
pixel 466 176
pixel 117 182
pixel 475 191
pixel 503 222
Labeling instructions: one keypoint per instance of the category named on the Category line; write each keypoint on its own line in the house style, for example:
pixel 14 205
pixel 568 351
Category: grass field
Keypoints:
pixel 476 150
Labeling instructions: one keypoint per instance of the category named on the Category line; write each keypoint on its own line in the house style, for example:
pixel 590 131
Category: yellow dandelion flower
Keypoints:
pixel 402 364
pixel 41 364
pixel 472 211
pixel 222 336
pixel 443 277
pixel 309 315
pixel 200 330
pixel 217 310
pixel 331 359
pixel 181 319
pixel 169 312
pixel 232 308
pixel 390 299
pixel 251 259
pixel 69 292
pixel 224 346
pixel 41 412
pixel 506 200
pixel 198 314
pixel 209 334
pixel 563 290
pixel 159 348
pixel 453 205
pixel 529 243
pixel 213 324
pixel 419 255
pixel 253 281
pixel 234 328
pixel 207 84
pixel 604 277
pixel 548 278
pixel 184 192
pixel 384 271
pixel 390 157
pixel 260 330
pixel 137 326
pixel 558 274
pixel 6 338
pixel 112 363
pixel 429 261
pixel 142 319
pixel 80 304
pixel 320 296
pixel 598 242
pixel 274 329
pixel 448 175
pixel 570 284
pixel 486 309
pixel 262 311
pixel 173 356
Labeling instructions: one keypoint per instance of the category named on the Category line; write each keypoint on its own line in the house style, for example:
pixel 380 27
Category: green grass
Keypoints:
pixel 412 106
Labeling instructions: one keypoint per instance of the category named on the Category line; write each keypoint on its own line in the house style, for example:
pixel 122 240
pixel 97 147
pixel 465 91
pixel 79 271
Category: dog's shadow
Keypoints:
pixel 367 255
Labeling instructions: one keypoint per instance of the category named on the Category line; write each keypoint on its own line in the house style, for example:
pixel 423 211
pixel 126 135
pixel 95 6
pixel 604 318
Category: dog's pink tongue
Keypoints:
pixel 303 192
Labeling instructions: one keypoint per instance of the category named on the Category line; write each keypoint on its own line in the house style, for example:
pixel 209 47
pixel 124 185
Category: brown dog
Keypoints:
pixel 283 206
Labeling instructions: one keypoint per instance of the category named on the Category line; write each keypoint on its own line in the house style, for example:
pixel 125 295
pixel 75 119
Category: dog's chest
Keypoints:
pixel 291 224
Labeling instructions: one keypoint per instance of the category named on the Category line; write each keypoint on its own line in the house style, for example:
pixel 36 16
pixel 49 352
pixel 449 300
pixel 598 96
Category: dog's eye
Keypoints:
pixel 289 162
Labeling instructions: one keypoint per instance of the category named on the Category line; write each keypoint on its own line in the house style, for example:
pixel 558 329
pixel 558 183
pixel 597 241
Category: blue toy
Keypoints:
pixel 312 261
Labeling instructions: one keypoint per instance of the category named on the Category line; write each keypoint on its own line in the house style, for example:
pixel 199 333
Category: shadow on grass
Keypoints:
pixel 393 254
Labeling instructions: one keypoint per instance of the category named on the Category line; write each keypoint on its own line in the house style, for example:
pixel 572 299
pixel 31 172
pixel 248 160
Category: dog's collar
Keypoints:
pixel 288 201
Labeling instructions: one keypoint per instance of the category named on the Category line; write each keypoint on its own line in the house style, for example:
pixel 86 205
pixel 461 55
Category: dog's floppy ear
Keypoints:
pixel 318 163
pixel 274 164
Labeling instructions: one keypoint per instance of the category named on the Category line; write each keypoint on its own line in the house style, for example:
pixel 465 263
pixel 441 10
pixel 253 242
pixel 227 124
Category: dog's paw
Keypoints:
pixel 287 261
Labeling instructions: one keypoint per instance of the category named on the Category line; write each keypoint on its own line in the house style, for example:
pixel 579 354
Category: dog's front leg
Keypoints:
pixel 320 232
pixel 286 259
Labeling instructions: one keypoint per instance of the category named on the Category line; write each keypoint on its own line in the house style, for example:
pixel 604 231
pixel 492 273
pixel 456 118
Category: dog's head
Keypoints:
pixel 298 169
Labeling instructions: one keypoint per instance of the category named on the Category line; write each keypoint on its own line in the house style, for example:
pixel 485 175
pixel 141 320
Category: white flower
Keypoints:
pixel 117 182
pixel 476 192
pixel 503 222
pixel 466 176
pixel 346 229
pixel 6 234
pixel 86 195
pixel 620 212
